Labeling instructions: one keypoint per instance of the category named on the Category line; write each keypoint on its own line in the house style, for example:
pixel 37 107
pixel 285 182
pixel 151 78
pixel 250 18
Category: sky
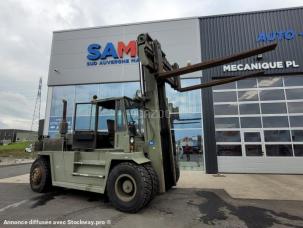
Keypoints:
pixel 26 28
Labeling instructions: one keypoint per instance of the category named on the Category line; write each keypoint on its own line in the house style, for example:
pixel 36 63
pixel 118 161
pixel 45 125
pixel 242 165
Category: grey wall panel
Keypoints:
pixel 225 35
pixel 180 40
pixel 289 165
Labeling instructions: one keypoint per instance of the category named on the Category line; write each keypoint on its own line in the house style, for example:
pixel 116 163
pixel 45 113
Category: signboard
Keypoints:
pixel 276 36
pixel 260 66
pixel 120 53
pixel 109 54
pixel 233 34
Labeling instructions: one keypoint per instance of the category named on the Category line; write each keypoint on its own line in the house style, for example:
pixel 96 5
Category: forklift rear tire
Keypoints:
pixel 129 187
pixel 154 179
pixel 40 176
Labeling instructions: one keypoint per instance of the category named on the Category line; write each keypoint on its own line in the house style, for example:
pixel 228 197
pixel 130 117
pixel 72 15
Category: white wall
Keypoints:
pixel 180 39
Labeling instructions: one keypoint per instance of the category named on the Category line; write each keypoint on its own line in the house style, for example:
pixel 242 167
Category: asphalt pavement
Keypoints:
pixel 178 207
pixel 14 170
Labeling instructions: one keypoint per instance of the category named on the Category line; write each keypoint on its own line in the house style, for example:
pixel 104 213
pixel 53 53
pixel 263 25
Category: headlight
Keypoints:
pixel 131 144
pixel 132 140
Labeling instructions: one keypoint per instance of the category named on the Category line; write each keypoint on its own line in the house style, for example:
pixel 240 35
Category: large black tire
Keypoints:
pixel 129 187
pixel 40 176
pixel 155 180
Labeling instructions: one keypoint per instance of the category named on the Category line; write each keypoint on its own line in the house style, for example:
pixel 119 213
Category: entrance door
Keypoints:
pixel 253 143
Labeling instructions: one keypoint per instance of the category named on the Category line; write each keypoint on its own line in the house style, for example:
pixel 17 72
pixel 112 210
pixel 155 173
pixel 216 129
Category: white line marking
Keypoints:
pixel 14 205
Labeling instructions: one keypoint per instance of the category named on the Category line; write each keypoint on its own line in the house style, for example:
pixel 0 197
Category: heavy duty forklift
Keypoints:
pixel 135 158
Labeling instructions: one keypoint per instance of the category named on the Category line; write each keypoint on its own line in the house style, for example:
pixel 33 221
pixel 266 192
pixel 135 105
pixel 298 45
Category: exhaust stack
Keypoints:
pixel 63 125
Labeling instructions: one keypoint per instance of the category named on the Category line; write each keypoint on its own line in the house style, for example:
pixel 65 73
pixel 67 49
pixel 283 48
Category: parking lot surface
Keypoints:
pixel 179 207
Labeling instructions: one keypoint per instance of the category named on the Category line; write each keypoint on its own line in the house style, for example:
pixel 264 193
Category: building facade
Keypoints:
pixel 255 125
pixel 15 135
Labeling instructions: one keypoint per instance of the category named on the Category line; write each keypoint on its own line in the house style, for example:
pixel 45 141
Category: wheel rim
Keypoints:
pixel 36 175
pixel 125 187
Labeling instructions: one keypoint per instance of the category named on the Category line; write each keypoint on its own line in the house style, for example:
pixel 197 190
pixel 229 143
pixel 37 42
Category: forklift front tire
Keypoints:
pixel 129 187
pixel 154 179
pixel 40 176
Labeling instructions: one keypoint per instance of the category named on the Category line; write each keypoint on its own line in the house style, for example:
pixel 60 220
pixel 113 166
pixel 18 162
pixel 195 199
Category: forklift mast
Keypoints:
pixel 155 72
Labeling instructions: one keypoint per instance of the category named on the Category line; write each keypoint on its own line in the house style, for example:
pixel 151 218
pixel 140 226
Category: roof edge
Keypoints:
pixel 126 24
pixel 252 12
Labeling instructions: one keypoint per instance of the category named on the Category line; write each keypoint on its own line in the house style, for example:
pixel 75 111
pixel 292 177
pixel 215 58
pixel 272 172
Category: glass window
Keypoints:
pixel 228 136
pixel 225 96
pixel 189 147
pixel 293 81
pixel 297 135
pixel 298 149
pixel 120 122
pixel 253 150
pixel 188 120
pixel 111 89
pixel 134 118
pixel 226 109
pixel 277 136
pixel 188 133
pixel 295 107
pixel 277 94
pixel 247 83
pixel 229 150
pixel 85 93
pixel 270 82
pixel 187 101
pixel 296 121
pixel 252 137
pixel 105 115
pixel 293 94
pixel 225 86
pixel 249 109
pixel 273 108
pixel 275 121
pixel 85 117
pixel 232 122
pixel 250 122
pixel 60 93
pixel 54 123
pixel 251 95
pixel 278 150
pixel 128 89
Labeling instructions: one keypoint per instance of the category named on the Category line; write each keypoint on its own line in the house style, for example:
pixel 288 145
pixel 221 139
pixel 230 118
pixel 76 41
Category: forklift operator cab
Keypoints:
pixel 102 124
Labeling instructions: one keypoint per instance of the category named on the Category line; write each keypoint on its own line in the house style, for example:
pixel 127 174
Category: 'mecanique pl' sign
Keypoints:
pixel 260 66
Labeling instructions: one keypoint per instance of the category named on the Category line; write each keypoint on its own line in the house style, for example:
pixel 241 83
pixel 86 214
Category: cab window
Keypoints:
pixel 85 117
pixel 105 115
pixel 120 116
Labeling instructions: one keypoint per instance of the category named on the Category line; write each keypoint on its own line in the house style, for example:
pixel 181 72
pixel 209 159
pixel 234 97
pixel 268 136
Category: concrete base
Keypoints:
pixel 247 186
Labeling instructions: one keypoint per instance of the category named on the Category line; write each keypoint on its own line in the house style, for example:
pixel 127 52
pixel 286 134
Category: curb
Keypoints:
pixel 25 163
